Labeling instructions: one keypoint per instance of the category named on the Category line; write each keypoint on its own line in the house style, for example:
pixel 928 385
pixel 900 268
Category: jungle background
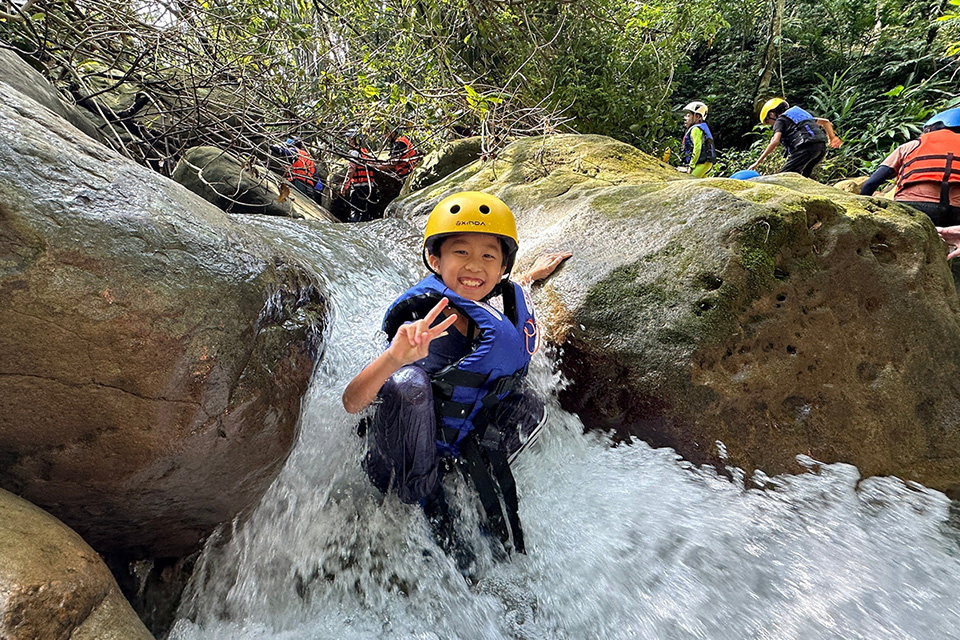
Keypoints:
pixel 165 75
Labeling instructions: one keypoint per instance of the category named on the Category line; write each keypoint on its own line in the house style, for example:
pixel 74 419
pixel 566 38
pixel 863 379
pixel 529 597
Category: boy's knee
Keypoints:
pixel 410 385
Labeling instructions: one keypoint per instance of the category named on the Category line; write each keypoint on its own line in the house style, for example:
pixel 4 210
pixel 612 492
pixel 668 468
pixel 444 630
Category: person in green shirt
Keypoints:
pixel 699 153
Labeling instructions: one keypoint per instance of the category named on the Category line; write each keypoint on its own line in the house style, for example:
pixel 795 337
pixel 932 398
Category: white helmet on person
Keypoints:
pixel 697 107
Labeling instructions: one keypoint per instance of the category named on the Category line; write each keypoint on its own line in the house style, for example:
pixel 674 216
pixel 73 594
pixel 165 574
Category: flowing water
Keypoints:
pixel 623 541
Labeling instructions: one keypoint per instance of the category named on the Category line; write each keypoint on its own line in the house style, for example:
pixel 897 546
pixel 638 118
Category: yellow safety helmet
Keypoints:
pixel 471 212
pixel 769 106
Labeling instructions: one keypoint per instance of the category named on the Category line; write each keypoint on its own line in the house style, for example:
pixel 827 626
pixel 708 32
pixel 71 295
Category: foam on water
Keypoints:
pixel 623 541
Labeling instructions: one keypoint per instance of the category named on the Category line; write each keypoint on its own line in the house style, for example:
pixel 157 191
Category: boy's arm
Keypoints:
pixel 774 141
pixel 542 267
pixel 835 142
pixel 363 389
pixel 696 134
pixel 411 343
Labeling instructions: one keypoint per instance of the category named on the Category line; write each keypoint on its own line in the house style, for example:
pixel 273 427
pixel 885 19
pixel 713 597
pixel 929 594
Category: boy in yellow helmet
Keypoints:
pixel 803 136
pixel 450 382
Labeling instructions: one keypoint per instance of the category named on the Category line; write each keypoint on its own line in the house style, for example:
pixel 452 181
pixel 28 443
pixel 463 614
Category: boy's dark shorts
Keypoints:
pixel 402 433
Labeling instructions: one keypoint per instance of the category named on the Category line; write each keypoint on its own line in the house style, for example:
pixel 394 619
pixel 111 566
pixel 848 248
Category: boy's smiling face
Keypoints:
pixel 470 264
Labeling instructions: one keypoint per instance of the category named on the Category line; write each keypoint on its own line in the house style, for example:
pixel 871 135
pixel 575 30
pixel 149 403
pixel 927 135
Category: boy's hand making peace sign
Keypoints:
pixel 413 339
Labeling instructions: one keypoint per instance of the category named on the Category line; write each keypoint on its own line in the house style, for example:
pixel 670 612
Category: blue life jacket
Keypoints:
pixel 801 129
pixel 466 391
pixel 707 151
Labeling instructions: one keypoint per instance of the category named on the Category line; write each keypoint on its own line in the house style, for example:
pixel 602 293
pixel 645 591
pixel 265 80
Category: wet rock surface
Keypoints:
pixel 223 180
pixel 53 585
pixel 778 316
pixel 153 353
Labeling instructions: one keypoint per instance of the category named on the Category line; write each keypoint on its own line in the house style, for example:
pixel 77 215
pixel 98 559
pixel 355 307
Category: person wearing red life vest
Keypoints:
pixel 359 186
pixel 928 175
pixel 927 170
pixel 302 171
pixel 404 157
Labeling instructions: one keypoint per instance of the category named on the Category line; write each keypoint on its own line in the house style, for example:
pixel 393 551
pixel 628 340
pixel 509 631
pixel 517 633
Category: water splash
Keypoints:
pixel 624 541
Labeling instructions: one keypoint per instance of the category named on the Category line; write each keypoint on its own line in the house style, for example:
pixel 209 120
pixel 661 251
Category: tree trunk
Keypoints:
pixel 771 52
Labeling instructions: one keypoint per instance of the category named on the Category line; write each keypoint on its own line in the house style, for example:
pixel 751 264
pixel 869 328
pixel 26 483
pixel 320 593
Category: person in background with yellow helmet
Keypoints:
pixel 450 383
pixel 803 136
pixel 699 153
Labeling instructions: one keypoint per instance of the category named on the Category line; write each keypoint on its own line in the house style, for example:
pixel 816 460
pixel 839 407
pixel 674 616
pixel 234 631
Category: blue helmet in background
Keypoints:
pixel 949 118
pixel 745 174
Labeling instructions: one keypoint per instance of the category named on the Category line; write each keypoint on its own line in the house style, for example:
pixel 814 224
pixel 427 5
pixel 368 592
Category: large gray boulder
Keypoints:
pixel 778 316
pixel 53 586
pixel 28 81
pixel 153 354
pixel 222 179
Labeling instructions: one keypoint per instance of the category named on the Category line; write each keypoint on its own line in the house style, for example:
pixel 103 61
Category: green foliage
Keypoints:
pixel 730 161
pixel 875 71
pixel 875 123
pixel 497 68
pixel 236 73
pixel 953 48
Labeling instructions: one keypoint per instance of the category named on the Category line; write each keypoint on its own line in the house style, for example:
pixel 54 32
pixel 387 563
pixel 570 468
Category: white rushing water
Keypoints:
pixel 623 541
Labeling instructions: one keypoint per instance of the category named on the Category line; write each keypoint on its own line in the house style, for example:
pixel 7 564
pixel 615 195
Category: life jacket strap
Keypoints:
pixel 451 409
pixel 452 377
pixel 488 469
pixel 945 185
pixel 508 489
pixel 505 384
pixel 447 408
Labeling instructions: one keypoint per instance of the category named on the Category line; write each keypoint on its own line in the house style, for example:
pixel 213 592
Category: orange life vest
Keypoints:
pixel 935 159
pixel 303 168
pixel 406 161
pixel 360 169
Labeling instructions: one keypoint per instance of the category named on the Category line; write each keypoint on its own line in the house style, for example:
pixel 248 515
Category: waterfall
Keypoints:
pixel 624 541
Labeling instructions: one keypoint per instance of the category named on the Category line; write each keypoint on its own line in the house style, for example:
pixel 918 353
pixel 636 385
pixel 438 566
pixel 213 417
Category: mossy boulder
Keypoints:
pixel 532 171
pixel 235 187
pixel 853 185
pixel 153 353
pixel 777 316
pixel 53 585
pixel 440 163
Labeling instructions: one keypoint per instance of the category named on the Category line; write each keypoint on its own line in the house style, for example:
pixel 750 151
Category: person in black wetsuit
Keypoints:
pixel 803 136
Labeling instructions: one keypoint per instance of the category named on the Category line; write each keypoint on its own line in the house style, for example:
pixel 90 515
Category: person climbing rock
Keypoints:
pixel 450 385
pixel 927 170
pixel 803 136
pixel 698 149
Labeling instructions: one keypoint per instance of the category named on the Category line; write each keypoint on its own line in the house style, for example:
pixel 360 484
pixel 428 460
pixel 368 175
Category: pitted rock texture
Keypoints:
pixel 777 316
